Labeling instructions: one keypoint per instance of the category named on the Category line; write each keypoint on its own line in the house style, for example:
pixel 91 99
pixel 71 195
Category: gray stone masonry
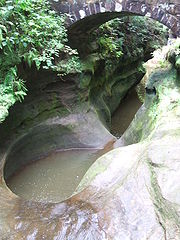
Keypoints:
pixel 164 11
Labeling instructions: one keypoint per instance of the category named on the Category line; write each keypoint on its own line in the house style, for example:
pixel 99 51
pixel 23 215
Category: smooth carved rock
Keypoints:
pixel 131 192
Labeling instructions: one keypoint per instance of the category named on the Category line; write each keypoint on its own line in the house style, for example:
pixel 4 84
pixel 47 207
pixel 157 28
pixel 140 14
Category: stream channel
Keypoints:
pixel 55 177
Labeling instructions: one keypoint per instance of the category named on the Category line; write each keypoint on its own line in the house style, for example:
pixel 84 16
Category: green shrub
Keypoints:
pixel 30 31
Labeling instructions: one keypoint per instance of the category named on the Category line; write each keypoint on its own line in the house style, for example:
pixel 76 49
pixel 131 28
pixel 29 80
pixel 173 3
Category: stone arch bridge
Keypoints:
pixel 84 15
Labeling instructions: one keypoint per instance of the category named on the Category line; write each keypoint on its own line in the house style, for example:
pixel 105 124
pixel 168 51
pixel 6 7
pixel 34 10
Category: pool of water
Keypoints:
pixel 53 178
pixel 124 114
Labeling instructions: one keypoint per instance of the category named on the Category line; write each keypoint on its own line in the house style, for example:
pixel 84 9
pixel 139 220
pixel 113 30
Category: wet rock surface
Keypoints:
pixel 132 192
pixel 122 196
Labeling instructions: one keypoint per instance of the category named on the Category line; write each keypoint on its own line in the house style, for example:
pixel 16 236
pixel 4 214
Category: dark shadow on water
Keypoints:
pixel 125 113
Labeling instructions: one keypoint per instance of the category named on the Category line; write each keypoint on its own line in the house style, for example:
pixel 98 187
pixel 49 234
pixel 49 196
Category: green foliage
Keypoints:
pixel 9 94
pixel 72 65
pixel 109 41
pixel 122 41
pixel 109 46
pixel 11 90
pixel 30 31
pixel 145 29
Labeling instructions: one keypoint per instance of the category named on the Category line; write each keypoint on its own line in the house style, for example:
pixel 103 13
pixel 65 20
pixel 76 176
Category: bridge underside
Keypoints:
pixel 86 15
pixel 92 22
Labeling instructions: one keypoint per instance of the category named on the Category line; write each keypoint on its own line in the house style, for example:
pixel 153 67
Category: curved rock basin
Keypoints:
pixel 21 218
pixel 53 178
pixel 130 193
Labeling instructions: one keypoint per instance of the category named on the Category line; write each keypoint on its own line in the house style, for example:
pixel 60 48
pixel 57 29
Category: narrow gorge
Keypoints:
pixel 93 150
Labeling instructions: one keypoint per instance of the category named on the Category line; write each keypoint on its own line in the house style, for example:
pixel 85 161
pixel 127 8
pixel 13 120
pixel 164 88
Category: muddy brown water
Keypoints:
pixel 124 114
pixel 54 178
